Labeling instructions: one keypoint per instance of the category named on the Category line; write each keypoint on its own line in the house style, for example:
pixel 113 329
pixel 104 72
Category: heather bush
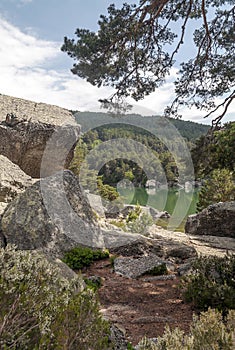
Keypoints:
pixel 212 283
pixel 207 332
pixel 39 309
pixel 80 325
pixel 134 214
pixel 158 270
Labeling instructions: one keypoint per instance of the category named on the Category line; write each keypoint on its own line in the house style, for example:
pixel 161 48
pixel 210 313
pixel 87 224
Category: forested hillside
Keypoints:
pixel 100 127
pixel 189 130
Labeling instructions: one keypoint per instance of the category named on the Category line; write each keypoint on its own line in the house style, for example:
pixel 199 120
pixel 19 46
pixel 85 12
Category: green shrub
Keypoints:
pixel 140 224
pixel 80 325
pixel 111 259
pixel 93 284
pixel 207 332
pixel 130 347
pixel 40 309
pixel 80 257
pixel 158 270
pixel 212 283
pixel 134 214
pixel 106 191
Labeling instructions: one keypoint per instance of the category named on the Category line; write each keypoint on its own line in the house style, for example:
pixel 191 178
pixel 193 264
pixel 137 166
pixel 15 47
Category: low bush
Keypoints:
pixel 81 326
pixel 93 283
pixel 140 224
pixel 207 332
pixel 112 259
pixel 212 283
pixel 40 309
pixel 158 270
pixel 80 257
pixel 134 214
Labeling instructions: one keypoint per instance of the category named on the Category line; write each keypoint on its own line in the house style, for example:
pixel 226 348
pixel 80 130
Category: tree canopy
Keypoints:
pixel 215 152
pixel 135 48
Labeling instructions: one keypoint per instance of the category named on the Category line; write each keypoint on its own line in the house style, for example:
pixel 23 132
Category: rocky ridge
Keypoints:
pixel 34 111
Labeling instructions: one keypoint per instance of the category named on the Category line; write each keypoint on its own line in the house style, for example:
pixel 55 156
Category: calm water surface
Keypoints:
pixel 171 200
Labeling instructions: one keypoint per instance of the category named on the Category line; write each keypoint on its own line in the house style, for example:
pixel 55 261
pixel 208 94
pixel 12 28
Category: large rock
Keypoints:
pixel 53 215
pixel 12 181
pixel 216 220
pixel 26 128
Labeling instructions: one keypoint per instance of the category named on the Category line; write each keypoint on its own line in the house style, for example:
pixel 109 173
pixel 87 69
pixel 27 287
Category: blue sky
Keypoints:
pixel 33 67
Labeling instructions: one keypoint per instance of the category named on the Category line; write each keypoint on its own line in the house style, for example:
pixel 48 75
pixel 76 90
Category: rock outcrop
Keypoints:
pixel 216 220
pixel 13 181
pixel 122 213
pixel 37 112
pixel 26 128
pixel 53 215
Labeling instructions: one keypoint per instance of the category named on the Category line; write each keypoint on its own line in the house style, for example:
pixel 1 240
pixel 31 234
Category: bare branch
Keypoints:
pixel 183 28
pixel 206 27
pixel 226 102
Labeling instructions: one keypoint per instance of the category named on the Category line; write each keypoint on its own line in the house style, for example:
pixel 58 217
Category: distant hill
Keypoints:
pixel 189 130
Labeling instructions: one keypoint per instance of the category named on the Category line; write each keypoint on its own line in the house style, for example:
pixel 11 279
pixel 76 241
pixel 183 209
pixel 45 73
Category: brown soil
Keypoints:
pixel 138 306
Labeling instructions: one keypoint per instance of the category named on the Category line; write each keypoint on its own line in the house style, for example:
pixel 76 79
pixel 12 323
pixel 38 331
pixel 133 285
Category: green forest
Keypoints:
pixel 212 154
pixel 134 127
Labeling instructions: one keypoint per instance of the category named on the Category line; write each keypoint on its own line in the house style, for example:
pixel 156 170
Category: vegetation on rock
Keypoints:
pixel 140 224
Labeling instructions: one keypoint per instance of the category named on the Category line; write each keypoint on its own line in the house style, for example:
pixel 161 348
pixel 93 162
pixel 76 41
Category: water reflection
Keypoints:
pixel 163 199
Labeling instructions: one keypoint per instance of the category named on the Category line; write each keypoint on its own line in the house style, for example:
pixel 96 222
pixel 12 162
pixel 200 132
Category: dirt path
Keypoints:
pixel 141 306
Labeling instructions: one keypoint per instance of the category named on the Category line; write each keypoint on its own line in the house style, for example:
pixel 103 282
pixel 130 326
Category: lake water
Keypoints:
pixel 175 201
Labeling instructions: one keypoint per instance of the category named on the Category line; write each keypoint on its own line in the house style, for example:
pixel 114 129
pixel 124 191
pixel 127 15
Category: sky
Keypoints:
pixel 33 67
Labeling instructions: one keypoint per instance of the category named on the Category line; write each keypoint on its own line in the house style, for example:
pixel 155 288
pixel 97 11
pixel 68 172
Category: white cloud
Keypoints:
pixel 25 72
pixel 21 50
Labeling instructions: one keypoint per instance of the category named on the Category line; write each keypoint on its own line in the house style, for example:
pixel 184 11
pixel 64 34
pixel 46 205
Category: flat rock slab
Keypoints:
pixel 135 267
pixel 203 244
